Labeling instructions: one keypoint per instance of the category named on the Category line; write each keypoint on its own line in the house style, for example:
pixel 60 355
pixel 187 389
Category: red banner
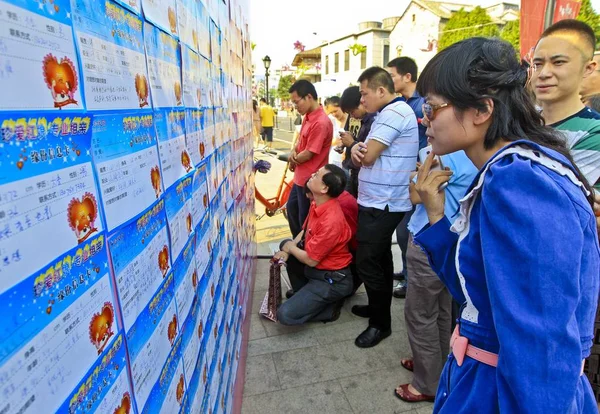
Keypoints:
pixel 566 9
pixel 532 19
pixel 532 23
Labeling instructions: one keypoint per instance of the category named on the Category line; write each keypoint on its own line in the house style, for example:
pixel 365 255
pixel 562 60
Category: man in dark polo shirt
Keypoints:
pixel 318 259
pixel 350 103
pixel 311 151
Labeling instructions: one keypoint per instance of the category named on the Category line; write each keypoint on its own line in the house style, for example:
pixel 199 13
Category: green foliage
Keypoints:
pixel 357 49
pixel 589 16
pixel 510 33
pixel 285 83
pixel 463 25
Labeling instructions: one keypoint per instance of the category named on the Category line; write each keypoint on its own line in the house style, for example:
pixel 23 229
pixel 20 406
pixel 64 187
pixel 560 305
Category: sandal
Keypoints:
pixel 407 396
pixel 408 364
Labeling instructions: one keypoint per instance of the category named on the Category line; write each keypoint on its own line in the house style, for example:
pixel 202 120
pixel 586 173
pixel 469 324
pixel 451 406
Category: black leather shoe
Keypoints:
pixel 400 292
pixel 371 337
pixel 361 310
pixel 289 293
pixel 337 310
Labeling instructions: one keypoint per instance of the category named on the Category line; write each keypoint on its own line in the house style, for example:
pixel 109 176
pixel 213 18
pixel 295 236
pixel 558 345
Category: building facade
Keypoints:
pixel 417 31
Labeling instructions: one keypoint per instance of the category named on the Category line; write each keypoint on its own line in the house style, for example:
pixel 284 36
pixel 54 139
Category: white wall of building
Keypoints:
pixel 374 40
pixel 412 35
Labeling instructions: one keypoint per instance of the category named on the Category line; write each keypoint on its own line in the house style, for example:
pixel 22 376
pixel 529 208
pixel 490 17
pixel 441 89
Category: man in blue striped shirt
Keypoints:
pixel 387 157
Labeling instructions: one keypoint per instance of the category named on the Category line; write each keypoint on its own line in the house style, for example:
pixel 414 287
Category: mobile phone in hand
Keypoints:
pixel 424 153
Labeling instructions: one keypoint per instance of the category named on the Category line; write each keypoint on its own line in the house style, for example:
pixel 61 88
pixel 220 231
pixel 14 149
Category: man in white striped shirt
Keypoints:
pixel 387 157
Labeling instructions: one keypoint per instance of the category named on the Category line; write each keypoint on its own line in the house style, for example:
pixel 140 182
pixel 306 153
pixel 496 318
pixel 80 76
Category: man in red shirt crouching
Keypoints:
pixel 318 260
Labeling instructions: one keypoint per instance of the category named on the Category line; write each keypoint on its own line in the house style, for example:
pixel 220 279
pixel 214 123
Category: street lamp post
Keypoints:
pixel 267 62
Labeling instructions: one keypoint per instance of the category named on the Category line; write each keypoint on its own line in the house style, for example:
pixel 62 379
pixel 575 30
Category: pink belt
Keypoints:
pixel 460 347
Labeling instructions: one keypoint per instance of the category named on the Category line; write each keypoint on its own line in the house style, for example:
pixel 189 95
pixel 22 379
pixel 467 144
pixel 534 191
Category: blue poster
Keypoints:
pixel 178 200
pixel 105 387
pixel 194 135
pixel 164 67
pixel 141 259
pixel 47 190
pixel 39 68
pixel 187 23
pixel 186 279
pixel 150 341
pixel 162 13
pixel 191 333
pixel 192 81
pixel 63 312
pixel 199 195
pixel 206 88
pixel 169 392
pixel 111 48
pixel 203 30
pixel 127 165
pixel 133 5
pixel 203 245
pixel 175 160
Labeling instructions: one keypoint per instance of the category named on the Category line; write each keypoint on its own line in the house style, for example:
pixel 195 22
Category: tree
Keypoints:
pixel 511 33
pixel 285 83
pixel 589 16
pixel 463 25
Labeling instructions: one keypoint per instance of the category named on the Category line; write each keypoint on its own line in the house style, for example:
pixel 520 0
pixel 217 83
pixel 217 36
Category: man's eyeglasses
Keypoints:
pixel 298 101
pixel 429 110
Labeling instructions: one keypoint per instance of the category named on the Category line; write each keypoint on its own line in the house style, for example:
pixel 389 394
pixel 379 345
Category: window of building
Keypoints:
pixel 414 18
pixel 386 54
pixel 327 65
pixel 346 60
pixel 363 59
pixel 336 62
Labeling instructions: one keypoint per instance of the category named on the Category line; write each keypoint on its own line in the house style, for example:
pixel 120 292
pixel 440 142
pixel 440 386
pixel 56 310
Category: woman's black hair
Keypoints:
pixel 468 72
pixel 254 105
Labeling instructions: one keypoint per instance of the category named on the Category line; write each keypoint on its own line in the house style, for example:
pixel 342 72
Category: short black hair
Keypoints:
pixel 593 102
pixel 377 77
pixel 263 100
pixel 303 88
pixel 335 180
pixel 333 100
pixel 405 65
pixel 574 26
pixel 350 99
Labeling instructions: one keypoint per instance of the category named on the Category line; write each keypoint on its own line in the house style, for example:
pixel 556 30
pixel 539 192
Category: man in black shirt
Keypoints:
pixel 350 104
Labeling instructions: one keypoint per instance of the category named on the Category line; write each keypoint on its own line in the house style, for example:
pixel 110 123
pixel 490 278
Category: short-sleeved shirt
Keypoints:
pixel 385 183
pixel 267 116
pixel 350 209
pixel 582 131
pixel 464 173
pixel 315 136
pixel 416 103
pixel 327 236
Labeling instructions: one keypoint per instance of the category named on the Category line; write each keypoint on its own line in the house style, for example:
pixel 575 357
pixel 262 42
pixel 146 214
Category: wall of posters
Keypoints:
pixel 126 204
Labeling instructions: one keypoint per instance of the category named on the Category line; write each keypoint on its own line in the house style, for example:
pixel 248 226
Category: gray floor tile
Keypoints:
pixel 257 299
pixel 374 392
pixel 274 329
pixel 321 398
pixel 327 362
pixel 261 375
pixel 257 330
pixel 295 340
pixel 425 410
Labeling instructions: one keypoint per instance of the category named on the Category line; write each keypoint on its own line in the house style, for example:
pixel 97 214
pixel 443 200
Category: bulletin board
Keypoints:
pixel 127 230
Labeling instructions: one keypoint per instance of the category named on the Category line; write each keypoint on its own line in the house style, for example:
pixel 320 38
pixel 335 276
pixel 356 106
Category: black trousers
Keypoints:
pixel 297 208
pixel 374 261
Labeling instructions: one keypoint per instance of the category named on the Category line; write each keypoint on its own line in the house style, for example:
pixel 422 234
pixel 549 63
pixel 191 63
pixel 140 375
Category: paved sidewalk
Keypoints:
pixel 316 368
